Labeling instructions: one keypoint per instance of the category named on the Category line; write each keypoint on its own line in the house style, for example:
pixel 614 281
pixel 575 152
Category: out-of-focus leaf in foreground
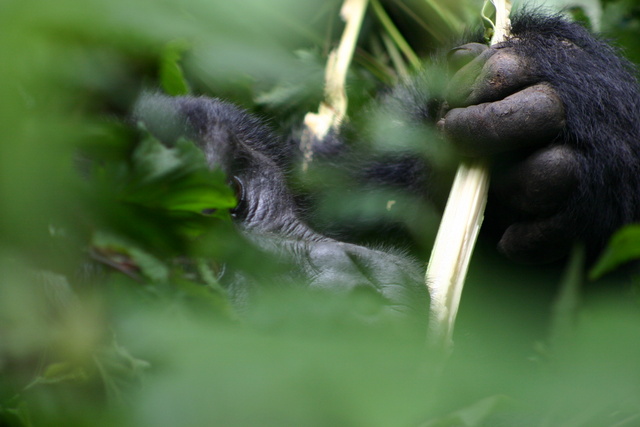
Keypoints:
pixel 176 179
pixel 171 72
pixel 621 22
pixel 623 247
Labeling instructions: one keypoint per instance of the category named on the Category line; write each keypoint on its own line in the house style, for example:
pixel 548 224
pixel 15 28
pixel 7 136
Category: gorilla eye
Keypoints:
pixel 237 186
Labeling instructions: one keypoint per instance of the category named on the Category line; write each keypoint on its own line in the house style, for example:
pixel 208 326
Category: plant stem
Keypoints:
pixel 459 229
pixel 333 109
pixel 394 33
pixel 453 247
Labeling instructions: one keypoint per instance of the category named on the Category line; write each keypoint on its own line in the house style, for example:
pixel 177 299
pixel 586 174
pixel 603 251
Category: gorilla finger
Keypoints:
pixel 503 74
pixel 462 82
pixel 532 116
pixel 537 242
pixel 542 183
pixel 493 75
pixel 460 56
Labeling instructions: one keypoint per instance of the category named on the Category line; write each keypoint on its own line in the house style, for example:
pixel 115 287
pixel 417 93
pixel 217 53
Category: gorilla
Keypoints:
pixel 555 108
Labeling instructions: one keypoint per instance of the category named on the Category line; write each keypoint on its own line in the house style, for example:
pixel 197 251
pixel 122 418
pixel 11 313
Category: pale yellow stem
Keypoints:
pixel 459 228
pixel 333 109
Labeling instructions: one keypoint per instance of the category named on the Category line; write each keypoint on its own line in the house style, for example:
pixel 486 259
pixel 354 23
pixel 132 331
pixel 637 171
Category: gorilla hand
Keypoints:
pixel 558 110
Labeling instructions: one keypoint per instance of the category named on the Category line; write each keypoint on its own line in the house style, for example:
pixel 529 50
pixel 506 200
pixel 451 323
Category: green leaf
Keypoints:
pixel 171 73
pixel 177 178
pixel 61 372
pixel 152 160
pixel 199 197
pixel 567 303
pixel 212 300
pixel 474 415
pixel 119 370
pixel 623 247
pixel 152 267
pixel 18 416
pixel 395 35
pixel 120 252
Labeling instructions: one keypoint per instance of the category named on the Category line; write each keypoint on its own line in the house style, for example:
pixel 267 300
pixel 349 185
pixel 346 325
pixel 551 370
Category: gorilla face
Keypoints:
pixel 266 214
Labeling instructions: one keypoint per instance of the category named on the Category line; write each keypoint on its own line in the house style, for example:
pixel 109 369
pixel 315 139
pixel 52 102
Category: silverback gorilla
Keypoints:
pixel 555 108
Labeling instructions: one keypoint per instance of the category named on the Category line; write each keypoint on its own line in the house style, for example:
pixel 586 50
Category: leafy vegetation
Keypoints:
pixel 110 308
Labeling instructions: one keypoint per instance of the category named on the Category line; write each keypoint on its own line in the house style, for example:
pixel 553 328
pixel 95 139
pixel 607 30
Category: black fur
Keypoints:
pixel 600 93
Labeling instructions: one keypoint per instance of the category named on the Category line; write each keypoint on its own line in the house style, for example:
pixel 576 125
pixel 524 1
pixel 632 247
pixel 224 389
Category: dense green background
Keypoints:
pixel 110 312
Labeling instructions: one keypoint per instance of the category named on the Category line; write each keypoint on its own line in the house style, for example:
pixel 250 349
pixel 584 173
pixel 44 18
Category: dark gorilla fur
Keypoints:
pixel 601 99
pixel 556 108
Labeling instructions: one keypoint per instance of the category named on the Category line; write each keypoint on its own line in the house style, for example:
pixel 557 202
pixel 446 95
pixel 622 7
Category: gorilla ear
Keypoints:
pixel 161 116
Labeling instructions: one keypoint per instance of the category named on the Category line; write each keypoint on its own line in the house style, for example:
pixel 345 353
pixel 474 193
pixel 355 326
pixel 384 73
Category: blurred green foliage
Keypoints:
pixel 110 309
pixel 621 22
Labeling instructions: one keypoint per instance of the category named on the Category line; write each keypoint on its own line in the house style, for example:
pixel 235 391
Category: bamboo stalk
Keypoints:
pixel 459 228
pixel 333 109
